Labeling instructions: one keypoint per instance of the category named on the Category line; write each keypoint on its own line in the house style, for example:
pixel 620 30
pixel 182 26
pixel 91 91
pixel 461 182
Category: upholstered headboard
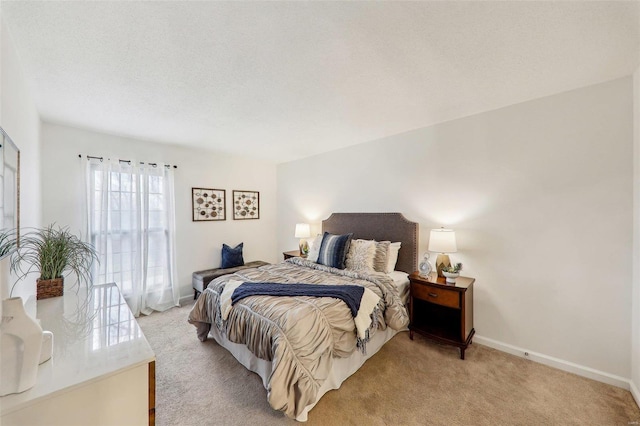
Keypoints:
pixel 380 227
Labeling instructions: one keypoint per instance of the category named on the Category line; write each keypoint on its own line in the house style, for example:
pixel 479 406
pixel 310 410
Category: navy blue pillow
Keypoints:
pixel 232 257
pixel 334 249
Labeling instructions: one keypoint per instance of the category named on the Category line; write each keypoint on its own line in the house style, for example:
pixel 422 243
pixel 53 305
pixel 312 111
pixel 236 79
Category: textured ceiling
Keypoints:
pixel 283 81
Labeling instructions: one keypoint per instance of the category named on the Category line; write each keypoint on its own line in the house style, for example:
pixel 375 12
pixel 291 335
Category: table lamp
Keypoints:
pixel 303 231
pixel 442 241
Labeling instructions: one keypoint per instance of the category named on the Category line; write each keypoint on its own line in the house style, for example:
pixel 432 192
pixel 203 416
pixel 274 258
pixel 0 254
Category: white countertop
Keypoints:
pixel 95 335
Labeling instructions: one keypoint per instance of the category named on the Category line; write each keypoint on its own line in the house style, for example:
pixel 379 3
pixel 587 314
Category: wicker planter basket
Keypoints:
pixel 49 288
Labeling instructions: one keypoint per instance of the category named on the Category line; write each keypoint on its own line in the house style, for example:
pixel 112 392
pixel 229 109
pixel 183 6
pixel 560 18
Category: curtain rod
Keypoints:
pixel 126 161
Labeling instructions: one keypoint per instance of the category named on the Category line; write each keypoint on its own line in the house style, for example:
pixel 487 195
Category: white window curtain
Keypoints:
pixel 130 209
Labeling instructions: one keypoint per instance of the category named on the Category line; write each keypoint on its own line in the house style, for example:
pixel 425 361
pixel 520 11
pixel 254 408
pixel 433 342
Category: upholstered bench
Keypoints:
pixel 201 279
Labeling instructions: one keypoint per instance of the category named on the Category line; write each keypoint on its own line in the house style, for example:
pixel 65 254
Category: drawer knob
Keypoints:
pixel 433 295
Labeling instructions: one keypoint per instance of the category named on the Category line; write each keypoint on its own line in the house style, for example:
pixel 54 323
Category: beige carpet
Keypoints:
pixel 406 383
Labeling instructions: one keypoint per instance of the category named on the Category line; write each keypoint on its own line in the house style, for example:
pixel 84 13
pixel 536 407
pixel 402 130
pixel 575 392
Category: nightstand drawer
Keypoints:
pixel 436 295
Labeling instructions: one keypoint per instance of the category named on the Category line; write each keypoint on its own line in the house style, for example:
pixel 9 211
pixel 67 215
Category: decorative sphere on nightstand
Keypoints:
pixel 425 266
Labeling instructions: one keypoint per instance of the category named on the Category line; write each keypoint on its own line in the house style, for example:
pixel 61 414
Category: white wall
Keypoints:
pixel 198 243
pixel 635 338
pixel 540 196
pixel 20 119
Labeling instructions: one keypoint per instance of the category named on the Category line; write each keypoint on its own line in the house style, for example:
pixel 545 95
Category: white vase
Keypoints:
pixel 451 276
pixel 20 348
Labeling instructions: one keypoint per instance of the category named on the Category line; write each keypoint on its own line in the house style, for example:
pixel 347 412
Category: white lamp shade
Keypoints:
pixel 442 241
pixel 303 230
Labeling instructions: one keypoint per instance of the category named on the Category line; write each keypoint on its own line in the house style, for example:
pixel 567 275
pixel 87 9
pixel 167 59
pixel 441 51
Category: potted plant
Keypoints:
pixel 53 252
pixel 7 242
pixel 452 272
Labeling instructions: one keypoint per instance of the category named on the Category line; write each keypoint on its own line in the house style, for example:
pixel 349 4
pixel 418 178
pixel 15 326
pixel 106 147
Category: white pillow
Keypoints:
pixel 360 256
pixel 392 257
pixel 314 248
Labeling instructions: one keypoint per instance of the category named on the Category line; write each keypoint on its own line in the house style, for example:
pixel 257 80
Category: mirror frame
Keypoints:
pixel 6 140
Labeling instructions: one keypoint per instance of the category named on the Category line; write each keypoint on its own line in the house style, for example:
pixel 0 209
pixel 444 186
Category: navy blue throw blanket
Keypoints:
pixel 349 294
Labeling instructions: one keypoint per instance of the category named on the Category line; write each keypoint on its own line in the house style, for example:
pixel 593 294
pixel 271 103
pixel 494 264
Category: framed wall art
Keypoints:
pixel 208 204
pixel 246 205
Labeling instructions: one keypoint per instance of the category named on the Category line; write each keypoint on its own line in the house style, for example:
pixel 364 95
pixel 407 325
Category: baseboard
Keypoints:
pixel 560 364
pixel 186 299
pixel 635 392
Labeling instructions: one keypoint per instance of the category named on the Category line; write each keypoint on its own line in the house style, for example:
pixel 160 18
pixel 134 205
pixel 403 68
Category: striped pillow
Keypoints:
pixel 381 257
pixel 334 249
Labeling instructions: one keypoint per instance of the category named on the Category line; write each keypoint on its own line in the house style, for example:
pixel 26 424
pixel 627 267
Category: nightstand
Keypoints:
pixel 440 311
pixel 290 254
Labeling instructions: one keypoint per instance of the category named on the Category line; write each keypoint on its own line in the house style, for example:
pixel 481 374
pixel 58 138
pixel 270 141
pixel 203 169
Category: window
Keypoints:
pixel 131 226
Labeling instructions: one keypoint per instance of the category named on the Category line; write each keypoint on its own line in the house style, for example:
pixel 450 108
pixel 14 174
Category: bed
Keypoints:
pixel 302 347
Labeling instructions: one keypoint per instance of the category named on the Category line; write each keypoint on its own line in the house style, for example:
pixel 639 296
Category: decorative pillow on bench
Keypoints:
pixel 232 257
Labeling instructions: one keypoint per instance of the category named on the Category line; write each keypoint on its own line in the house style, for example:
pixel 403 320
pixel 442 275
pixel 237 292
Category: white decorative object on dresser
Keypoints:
pixel 20 347
pixel 102 371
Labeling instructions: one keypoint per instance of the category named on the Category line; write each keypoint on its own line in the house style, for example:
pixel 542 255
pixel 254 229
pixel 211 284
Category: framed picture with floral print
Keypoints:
pixel 208 204
pixel 246 205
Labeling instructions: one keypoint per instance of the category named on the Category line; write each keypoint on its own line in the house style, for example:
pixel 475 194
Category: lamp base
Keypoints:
pixel 304 247
pixel 442 261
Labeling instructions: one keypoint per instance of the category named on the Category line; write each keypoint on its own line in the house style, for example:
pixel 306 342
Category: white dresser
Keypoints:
pixel 102 371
